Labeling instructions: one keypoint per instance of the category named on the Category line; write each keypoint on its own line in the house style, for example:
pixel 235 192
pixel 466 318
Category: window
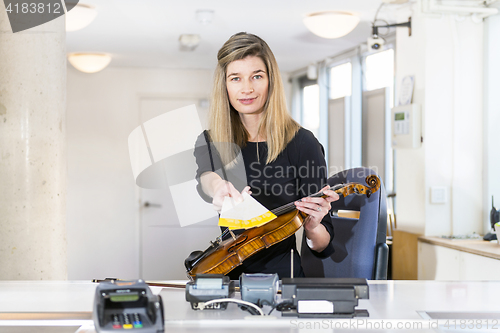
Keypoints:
pixel 379 74
pixel 341 81
pixel 380 71
pixel 310 108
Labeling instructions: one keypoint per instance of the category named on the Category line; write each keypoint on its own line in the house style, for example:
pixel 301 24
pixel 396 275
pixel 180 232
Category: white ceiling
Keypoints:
pixel 145 33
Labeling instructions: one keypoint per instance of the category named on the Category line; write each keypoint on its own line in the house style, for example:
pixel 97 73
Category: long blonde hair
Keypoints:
pixel 225 125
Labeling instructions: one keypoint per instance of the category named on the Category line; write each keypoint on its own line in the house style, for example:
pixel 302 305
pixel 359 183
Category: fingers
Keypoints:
pixel 324 202
pixel 234 193
pixel 314 207
pixel 314 211
pixel 330 195
pixel 317 207
pixel 246 190
pixel 224 189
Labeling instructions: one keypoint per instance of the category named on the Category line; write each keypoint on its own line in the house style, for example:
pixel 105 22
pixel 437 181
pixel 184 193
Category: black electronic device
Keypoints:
pixel 323 297
pixel 494 218
pixel 127 306
pixel 207 287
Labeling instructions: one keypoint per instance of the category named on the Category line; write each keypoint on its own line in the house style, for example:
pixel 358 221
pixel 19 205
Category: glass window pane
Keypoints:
pixel 310 108
pixel 380 70
pixel 341 81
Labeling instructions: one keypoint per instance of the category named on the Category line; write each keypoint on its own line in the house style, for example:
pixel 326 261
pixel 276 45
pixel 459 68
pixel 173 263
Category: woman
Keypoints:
pixel 283 162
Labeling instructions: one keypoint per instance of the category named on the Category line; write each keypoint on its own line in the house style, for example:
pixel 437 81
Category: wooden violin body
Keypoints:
pixel 225 255
pixel 232 252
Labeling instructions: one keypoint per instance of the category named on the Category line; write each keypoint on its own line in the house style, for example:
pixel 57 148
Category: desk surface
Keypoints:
pixel 389 300
pixel 474 246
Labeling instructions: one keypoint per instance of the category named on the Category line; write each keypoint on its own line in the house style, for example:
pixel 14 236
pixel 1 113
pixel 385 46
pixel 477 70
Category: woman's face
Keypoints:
pixel 247 85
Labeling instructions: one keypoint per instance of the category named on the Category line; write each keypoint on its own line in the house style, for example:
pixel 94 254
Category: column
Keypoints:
pixel 445 55
pixel 32 151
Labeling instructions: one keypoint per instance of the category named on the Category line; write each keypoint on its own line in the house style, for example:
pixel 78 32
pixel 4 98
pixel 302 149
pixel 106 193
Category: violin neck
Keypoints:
pixel 291 206
pixel 284 209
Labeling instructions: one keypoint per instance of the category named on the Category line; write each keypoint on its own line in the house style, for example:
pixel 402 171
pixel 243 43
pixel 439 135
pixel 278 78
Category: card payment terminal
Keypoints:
pixel 127 306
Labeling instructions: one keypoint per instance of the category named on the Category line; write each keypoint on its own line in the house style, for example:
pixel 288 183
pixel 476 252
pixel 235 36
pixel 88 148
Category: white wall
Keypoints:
pixel 446 58
pixel 410 164
pixel 102 202
pixel 492 117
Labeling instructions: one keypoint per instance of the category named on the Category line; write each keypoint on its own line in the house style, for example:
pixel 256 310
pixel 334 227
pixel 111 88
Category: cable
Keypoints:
pixel 230 300
pixel 250 310
pixel 376 14
pixel 375 21
pixel 387 29
pixel 283 306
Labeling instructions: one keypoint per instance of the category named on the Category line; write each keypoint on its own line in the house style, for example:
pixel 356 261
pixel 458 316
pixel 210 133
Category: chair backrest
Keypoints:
pixel 360 244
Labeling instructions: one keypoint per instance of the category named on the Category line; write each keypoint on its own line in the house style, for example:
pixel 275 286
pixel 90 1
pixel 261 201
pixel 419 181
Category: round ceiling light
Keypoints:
pixel 80 16
pixel 89 62
pixel 331 24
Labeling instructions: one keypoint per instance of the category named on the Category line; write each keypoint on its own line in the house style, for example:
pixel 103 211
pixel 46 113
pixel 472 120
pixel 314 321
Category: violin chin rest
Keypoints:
pixel 195 255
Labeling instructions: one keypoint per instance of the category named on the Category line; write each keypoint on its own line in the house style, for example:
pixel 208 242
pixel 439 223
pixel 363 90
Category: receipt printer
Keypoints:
pixel 127 306
pixel 259 288
pixel 207 287
pixel 324 297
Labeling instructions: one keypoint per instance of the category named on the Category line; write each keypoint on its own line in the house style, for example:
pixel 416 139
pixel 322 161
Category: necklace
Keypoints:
pixel 258 159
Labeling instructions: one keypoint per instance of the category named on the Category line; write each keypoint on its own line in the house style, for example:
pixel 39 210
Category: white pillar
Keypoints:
pixel 445 55
pixel 32 151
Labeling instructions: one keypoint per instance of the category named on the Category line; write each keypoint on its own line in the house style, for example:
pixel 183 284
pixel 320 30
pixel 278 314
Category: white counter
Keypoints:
pixel 391 301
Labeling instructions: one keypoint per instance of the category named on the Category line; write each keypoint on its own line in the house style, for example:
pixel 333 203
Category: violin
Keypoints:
pixel 222 256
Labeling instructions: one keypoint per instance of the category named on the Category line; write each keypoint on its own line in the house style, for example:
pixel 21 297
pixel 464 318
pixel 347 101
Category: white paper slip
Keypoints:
pixel 247 214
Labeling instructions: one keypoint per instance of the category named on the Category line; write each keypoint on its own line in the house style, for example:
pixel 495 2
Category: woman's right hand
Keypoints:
pixel 224 189
pixel 218 189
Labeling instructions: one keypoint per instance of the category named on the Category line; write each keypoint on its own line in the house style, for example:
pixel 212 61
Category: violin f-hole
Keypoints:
pixel 231 248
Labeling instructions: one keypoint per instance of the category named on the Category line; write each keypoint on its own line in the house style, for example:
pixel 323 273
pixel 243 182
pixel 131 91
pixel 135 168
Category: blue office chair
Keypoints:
pixel 360 244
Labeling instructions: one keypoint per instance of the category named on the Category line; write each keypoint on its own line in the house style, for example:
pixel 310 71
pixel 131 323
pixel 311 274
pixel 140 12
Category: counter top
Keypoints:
pixel 474 246
pixel 29 304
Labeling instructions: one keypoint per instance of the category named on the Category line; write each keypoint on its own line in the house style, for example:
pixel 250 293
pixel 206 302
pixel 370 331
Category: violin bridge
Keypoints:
pixel 232 234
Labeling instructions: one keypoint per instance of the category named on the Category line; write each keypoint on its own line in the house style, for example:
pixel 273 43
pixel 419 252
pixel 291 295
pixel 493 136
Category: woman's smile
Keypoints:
pixel 247 101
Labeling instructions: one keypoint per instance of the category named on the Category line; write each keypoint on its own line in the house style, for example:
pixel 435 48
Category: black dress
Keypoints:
pixel 300 170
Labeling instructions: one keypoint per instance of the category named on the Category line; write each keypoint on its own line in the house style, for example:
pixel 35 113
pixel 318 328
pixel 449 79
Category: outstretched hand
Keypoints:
pixel 224 189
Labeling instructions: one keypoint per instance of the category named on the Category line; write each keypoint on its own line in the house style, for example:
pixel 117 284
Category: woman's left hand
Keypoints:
pixel 316 208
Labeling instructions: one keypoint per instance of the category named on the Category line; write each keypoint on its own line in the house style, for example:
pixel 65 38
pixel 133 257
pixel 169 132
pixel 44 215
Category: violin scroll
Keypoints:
pixel 372 181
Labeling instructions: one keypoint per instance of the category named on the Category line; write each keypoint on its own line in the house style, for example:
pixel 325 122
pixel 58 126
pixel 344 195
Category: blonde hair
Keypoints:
pixel 225 125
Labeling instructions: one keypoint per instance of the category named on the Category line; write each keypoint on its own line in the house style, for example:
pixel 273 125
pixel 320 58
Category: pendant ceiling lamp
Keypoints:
pixel 80 16
pixel 331 24
pixel 89 62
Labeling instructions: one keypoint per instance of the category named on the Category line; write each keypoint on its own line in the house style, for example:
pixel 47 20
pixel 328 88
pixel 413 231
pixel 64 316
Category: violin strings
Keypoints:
pixel 224 233
pixel 283 209
pixel 290 206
